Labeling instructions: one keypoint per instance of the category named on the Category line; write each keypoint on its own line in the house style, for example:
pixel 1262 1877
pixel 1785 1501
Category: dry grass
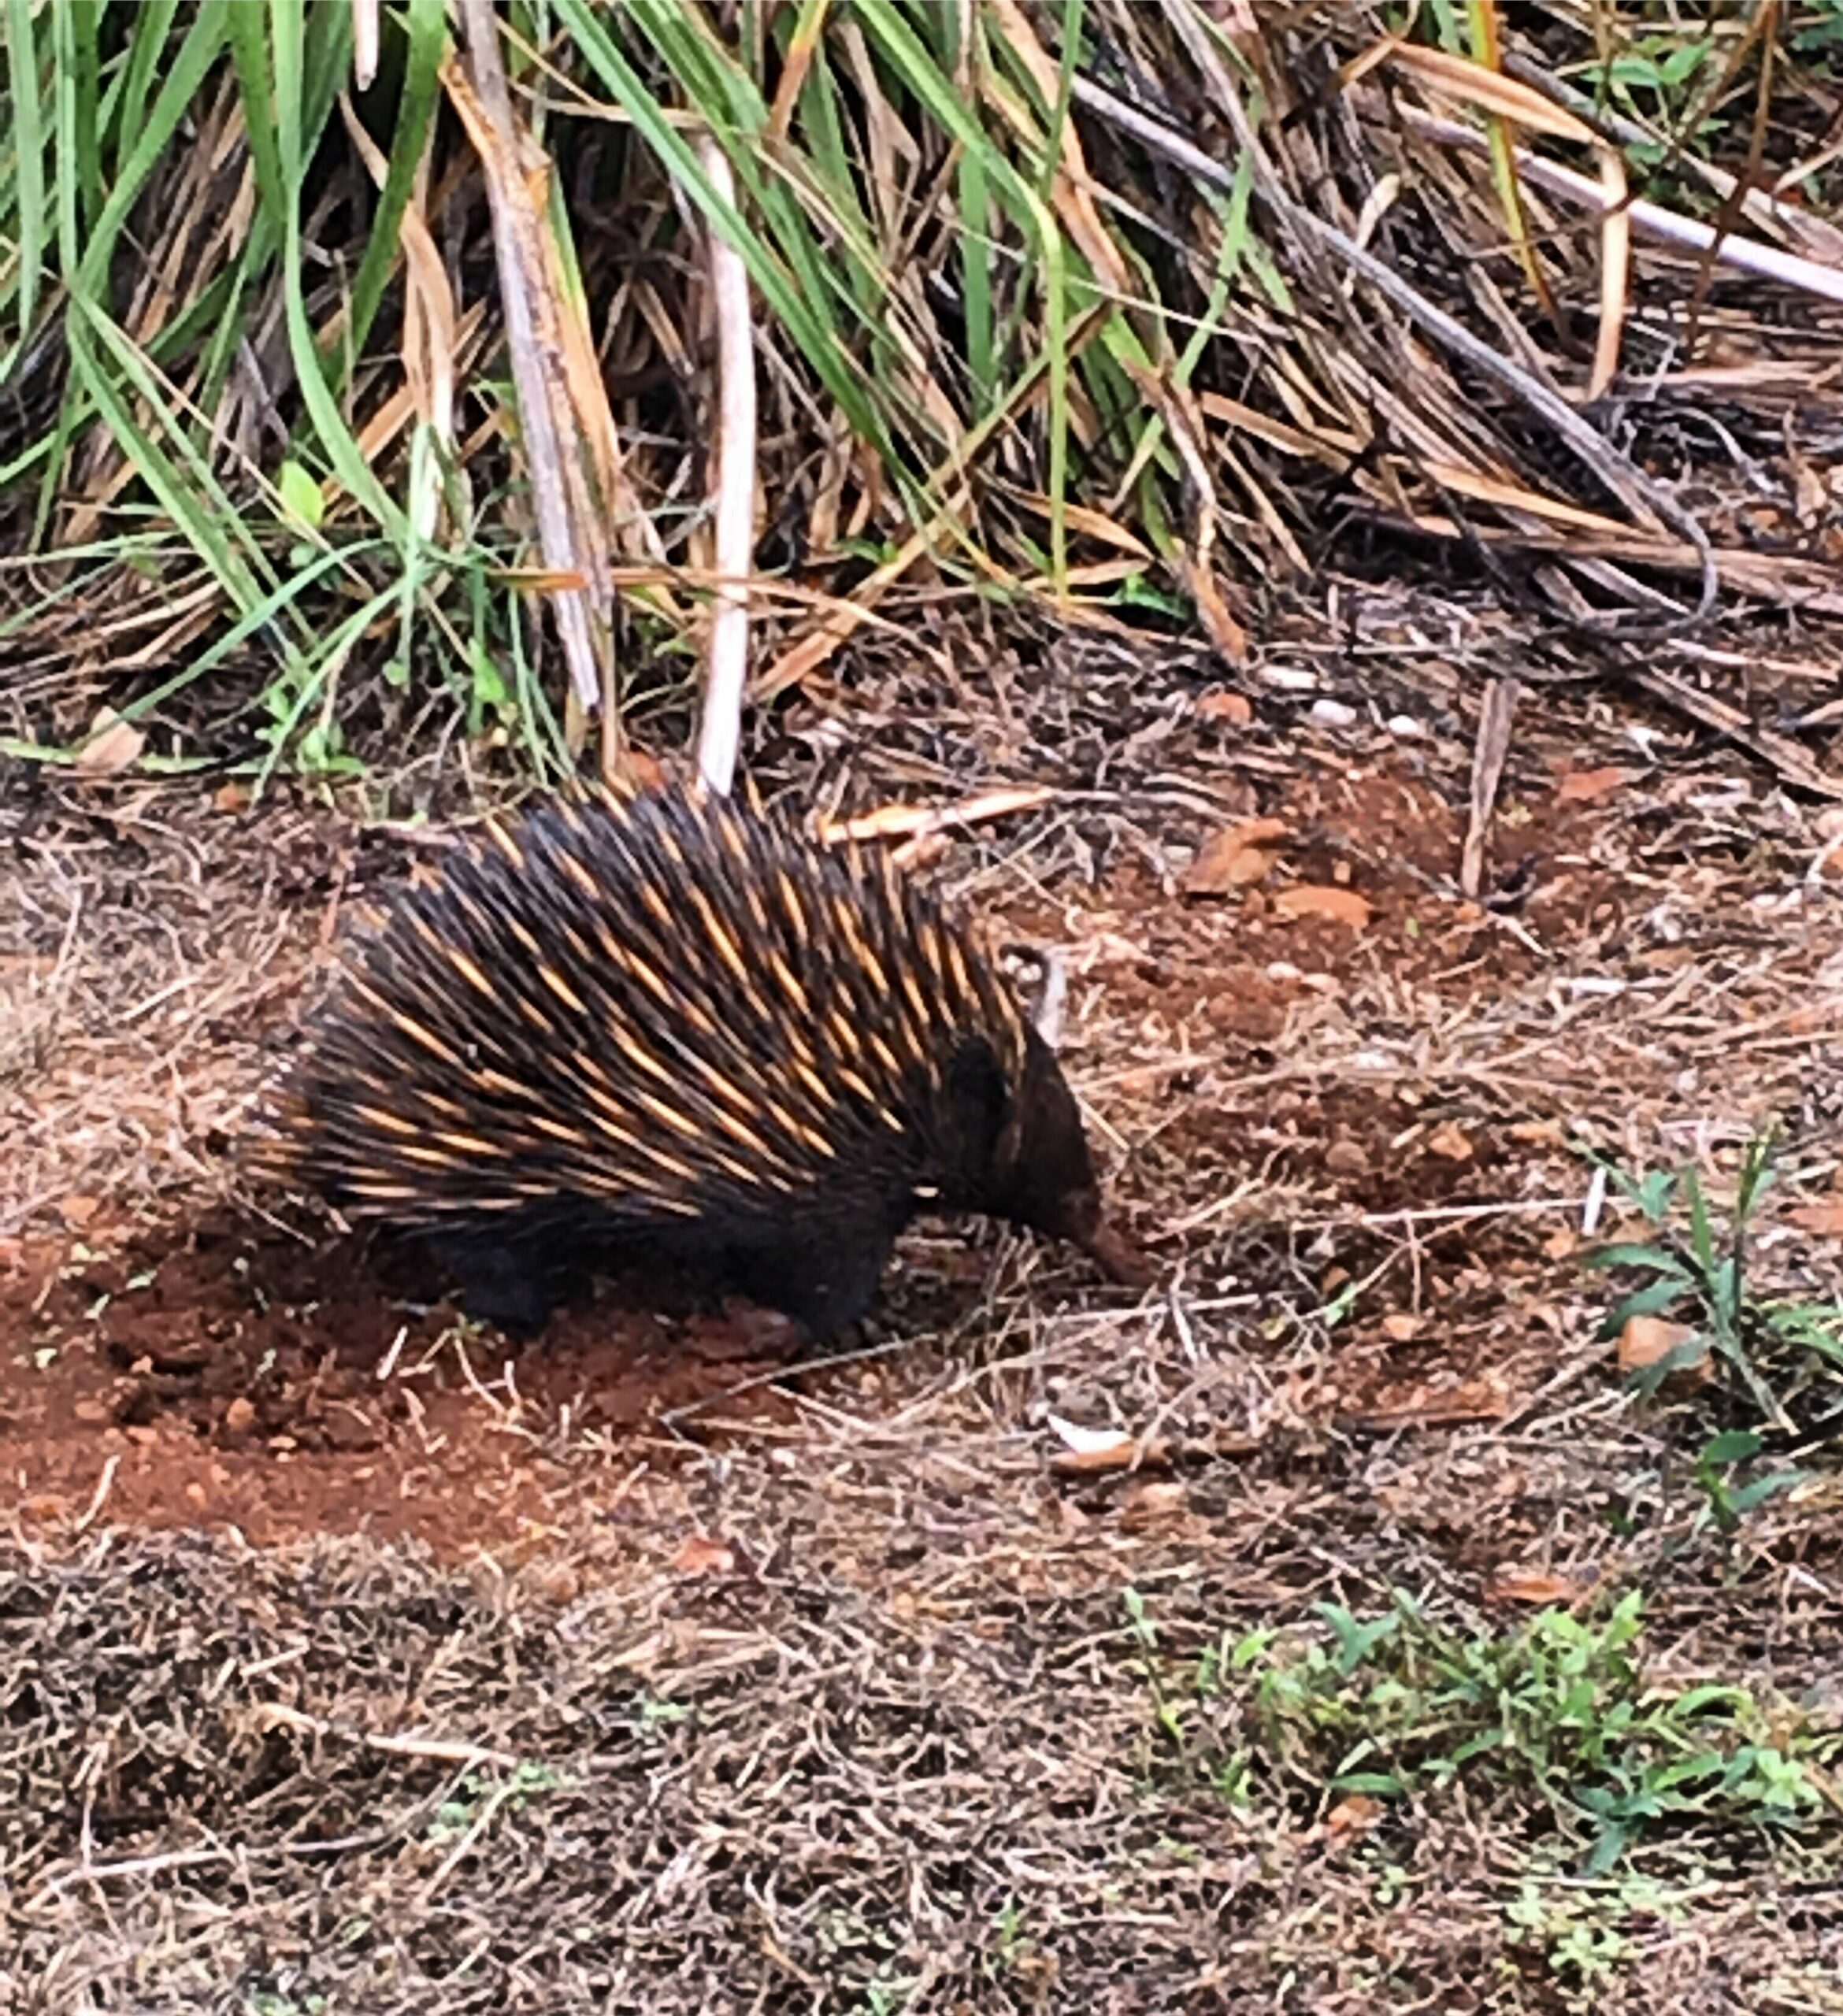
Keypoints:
pixel 760 1689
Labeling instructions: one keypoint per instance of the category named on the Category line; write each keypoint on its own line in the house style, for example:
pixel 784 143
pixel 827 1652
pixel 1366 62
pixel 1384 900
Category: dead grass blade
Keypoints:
pixel 568 531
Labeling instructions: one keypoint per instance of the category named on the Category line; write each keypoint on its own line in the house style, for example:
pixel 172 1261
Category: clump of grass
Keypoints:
pixel 1556 1715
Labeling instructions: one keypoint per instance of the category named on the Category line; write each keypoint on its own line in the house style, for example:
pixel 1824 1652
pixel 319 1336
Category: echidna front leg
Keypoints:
pixel 515 1280
pixel 825 1278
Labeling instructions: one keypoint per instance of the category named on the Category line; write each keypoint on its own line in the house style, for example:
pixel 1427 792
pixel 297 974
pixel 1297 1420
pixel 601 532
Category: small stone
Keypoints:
pixel 1346 1158
pixel 240 1417
pixel 1333 713
pixel 1450 1143
pixel 346 1429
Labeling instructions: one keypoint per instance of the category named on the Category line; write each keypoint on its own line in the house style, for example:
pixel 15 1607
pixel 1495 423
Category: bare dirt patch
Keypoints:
pixel 230 1376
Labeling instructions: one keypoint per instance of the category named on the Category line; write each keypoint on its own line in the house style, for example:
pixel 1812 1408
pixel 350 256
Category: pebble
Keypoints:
pixel 1333 713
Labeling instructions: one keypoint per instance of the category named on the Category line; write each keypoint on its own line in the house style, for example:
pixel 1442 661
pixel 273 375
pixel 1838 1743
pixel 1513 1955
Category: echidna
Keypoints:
pixel 662 1030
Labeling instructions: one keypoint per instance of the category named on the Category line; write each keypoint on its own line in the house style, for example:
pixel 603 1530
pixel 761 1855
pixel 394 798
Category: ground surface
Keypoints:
pixel 349 1662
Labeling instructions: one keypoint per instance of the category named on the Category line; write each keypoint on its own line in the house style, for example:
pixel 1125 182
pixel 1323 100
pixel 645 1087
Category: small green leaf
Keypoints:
pixel 1761 1488
pixel 300 494
pixel 1657 1257
pixel 1384 1784
pixel 1646 1302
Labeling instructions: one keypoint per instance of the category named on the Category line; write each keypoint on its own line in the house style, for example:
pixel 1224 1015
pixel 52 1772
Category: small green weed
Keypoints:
pixel 473 1799
pixel 1662 80
pixel 1693 1269
pixel 1817 30
pixel 1578 1936
pixel 1395 1705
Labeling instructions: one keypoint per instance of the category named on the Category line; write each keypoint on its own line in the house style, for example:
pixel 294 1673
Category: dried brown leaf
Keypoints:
pixel 1473 1399
pixel 1451 1142
pixel 1318 899
pixel 114 745
pixel 1534 1586
pixel 700 1556
pixel 1584 787
pixel 1232 858
pixel 1352 1817
pixel 1645 1339
pixel 1100 1449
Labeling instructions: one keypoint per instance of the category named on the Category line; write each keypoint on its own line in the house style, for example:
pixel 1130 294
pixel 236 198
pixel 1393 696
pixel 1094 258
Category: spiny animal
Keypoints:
pixel 662 1030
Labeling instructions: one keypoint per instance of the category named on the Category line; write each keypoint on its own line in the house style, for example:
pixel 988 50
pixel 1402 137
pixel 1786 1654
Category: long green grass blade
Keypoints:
pixel 29 127
pixel 817 343
pixel 147 39
pixel 244 27
pixel 288 25
pixel 85 77
pixel 426 25
pixel 194 500
pixel 180 87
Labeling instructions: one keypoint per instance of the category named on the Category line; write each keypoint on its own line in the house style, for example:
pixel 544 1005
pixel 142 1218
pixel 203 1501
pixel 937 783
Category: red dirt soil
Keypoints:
pixel 231 1375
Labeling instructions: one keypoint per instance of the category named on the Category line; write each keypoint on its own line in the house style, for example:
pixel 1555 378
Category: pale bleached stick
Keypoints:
pixel 1749 255
pixel 727 663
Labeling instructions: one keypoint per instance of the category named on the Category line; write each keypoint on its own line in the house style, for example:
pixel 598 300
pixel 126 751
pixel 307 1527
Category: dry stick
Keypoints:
pixel 276 1714
pixel 532 381
pixel 1748 255
pixel 1793 763
pixel 102 1494
pixel 1617 471
pixel 672 1416
pixel 1761 206
pixel 1489 751
pixel 727 666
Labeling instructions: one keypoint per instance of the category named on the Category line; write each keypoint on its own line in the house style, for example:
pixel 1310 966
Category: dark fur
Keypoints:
pixel 986 1121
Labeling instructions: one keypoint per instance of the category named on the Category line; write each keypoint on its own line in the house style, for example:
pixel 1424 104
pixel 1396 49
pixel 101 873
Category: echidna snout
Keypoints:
pixel 1042 1176
pixel 674 1035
